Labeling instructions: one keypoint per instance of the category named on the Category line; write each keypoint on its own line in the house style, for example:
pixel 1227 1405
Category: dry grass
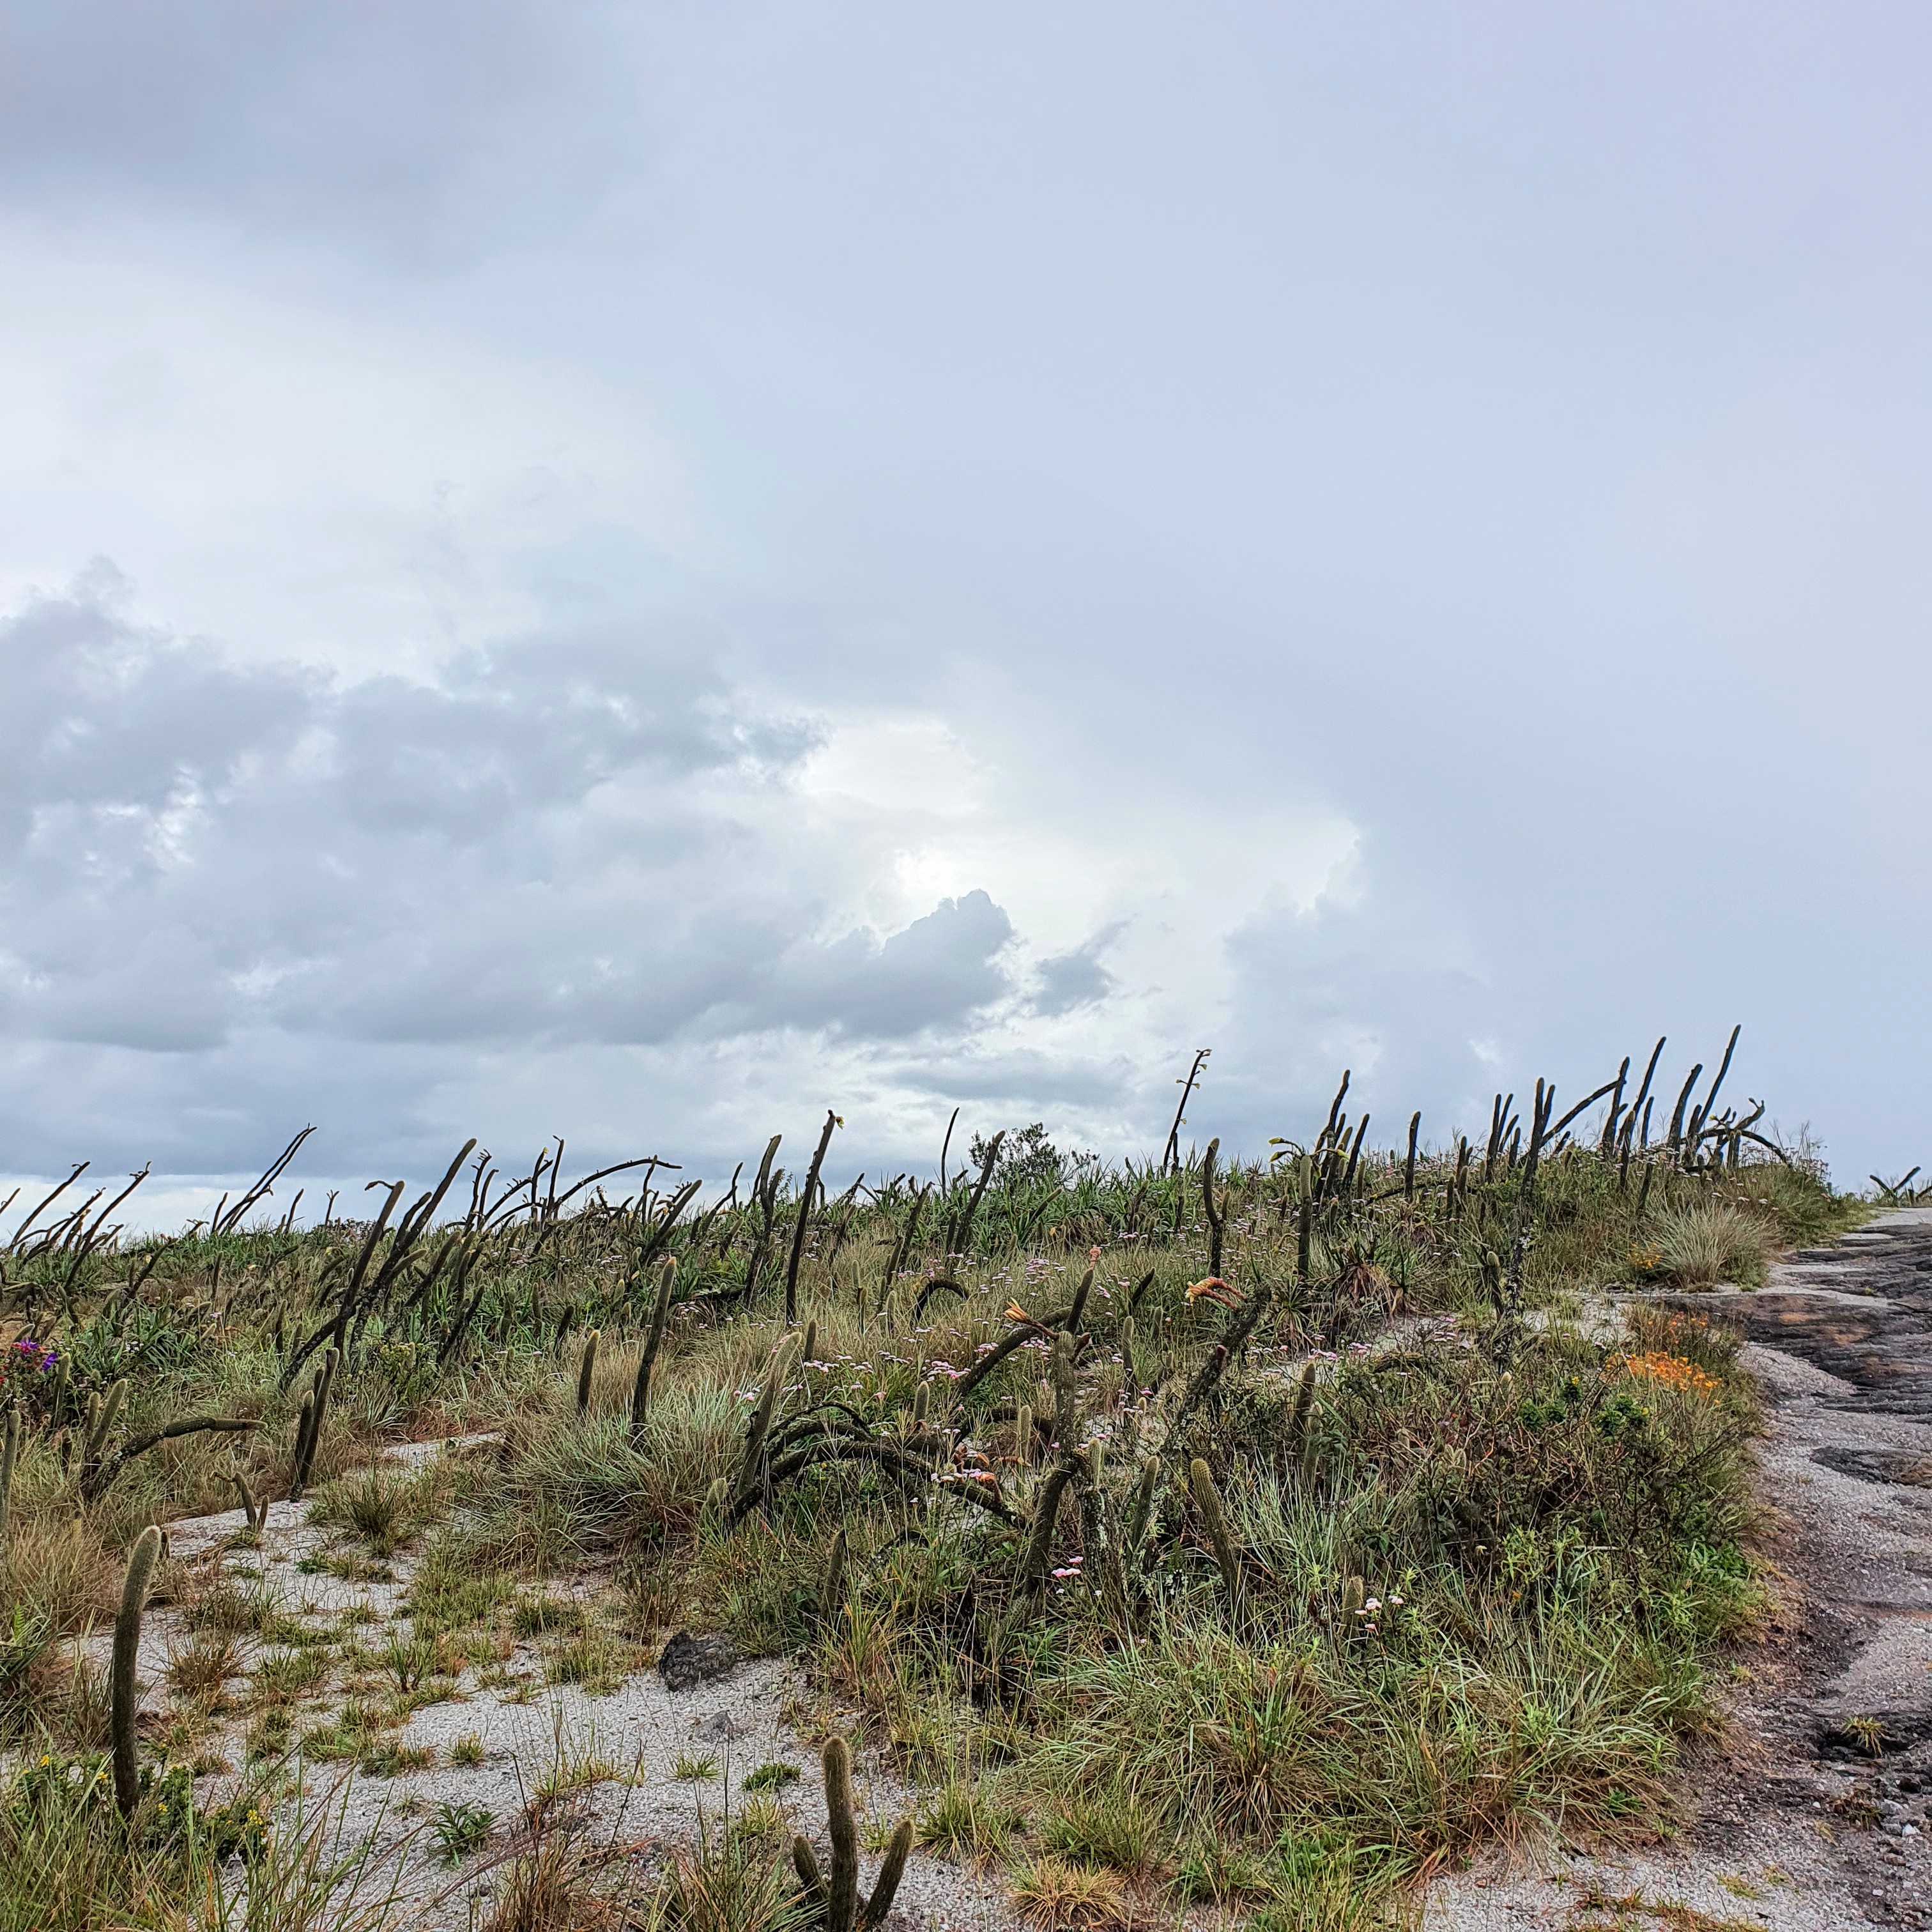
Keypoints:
pixel 1053 1894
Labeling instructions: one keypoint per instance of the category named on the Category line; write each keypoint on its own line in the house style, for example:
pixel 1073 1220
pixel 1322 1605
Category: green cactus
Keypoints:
pixel 1143 1510
pixel 1220 1533
pixel 1129 1375
pixel 1023 1428
pixel 254 1513
pixel 640 1393
pixel 831 1590
pixel 102 1417
pixel 315 1411
pixel 1065 1394
pixel 834 1903
pixel 1212 1207
pixel 1300 1409
pixel 141 1561
pixel 586 1370
pixel 1078 1306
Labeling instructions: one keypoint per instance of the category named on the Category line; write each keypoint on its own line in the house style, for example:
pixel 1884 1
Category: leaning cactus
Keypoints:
pixel 141 1561
pixel 834 1903
pixel 640 1395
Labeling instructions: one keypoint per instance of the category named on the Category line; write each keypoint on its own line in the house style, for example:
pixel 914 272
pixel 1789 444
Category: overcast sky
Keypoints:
pixel 638 572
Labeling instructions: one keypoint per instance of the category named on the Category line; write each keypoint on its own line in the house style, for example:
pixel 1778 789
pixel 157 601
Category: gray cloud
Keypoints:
pixel 570 839
pixel 1505 442
pixel 1068 981
pixel 424 130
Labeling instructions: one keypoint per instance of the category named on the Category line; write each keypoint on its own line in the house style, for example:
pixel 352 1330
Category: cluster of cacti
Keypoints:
pixel 309 1424
pixel 831 1900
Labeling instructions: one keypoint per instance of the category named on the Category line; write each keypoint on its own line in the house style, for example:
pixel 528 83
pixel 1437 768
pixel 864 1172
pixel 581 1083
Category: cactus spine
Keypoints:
pixel 141 1561
pixel 834 1901
pixel 586 1369
pixel 640 1395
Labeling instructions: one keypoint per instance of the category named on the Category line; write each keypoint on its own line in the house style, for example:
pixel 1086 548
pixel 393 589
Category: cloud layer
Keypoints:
pixel 669 570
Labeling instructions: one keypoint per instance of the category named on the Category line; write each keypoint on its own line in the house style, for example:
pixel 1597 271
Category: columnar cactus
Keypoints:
pixel 833 1900
pixel 141 1561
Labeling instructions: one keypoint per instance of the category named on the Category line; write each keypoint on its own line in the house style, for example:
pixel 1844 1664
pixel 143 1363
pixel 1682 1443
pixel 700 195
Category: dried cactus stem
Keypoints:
pixel 141 1561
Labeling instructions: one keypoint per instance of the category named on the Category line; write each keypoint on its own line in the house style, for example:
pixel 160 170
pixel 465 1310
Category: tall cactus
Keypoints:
pixel 586 1371
pixel 640 1394
pixel 10 1455
pixel 141 1561
pixel 104 1420
pixel 834 1901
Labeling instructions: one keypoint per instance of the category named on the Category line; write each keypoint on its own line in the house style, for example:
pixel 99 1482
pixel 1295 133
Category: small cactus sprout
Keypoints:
pixel 921 1401
pixel 141 1561
pixel 586 1369
pixel 810 1353
pixel 1023 1433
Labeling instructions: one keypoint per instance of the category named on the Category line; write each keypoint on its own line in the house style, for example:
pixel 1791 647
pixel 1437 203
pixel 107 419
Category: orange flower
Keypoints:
pixel 1669 1372
pixel 1214 1289
pixel 1015 1312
